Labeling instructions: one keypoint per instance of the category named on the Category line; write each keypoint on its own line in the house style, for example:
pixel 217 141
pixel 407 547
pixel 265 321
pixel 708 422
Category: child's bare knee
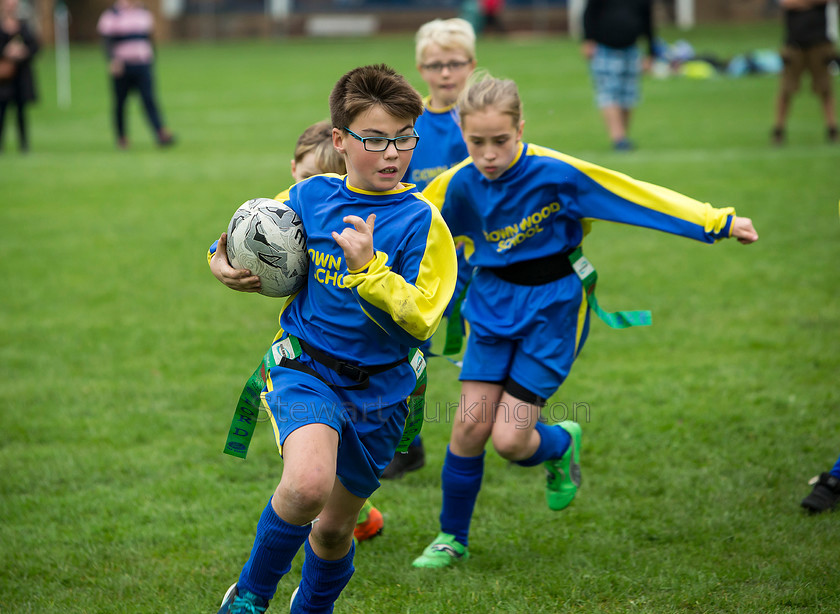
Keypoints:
pixel 509 448
pixel 332 537
pixel 307 497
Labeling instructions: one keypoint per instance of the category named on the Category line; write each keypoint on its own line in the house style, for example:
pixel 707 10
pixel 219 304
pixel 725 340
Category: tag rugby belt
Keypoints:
pixel 536 272
pixel 540 271
pixel 284 352
pixel 360 375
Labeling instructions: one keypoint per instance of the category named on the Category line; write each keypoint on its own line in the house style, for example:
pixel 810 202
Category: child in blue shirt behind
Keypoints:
pixel 525 210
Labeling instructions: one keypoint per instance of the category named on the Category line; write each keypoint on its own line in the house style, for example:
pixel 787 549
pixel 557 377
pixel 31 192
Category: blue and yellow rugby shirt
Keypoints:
pixel 441 145
pixel 544 203
pixel 372 316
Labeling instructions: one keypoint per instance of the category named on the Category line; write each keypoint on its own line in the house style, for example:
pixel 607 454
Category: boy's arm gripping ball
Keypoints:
pixel 235 279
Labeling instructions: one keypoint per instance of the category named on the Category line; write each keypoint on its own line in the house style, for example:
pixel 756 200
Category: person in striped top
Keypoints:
pixel 126 30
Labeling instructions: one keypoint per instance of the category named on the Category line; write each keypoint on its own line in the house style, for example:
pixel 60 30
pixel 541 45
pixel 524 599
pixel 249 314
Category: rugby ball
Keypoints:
pixel 267 237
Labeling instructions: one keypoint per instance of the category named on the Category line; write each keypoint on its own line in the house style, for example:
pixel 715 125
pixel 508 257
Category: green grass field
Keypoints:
pixel 122 357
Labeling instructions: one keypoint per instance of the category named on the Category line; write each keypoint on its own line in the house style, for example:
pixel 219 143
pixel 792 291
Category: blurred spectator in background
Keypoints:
pixel 610 30
pixel 771 7
pixel 806 47
pixel 126 30
pixel 491 16
pixel 18 45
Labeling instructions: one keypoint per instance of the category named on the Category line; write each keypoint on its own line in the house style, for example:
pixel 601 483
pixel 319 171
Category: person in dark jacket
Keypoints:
pixel 611 29
pixel 18 46
pixel 807 47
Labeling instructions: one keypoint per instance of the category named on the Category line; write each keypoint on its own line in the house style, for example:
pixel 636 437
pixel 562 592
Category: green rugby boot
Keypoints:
pixel 442 552
pixel 563 475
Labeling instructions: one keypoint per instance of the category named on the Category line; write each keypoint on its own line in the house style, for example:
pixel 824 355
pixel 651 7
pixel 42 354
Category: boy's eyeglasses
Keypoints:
pixel 380 143
pixel 438 66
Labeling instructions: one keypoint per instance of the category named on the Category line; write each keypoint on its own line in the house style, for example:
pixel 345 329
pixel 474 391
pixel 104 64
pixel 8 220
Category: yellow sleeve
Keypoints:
pixel 410 310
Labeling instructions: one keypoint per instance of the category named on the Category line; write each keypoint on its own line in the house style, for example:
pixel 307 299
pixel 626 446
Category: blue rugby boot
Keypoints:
pixel 246 602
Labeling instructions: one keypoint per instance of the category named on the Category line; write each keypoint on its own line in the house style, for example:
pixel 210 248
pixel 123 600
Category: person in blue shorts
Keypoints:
pixel 445 56
pixel 382 269
pixel 314 154
pixel 826 493
pixel 610 30
pixel 524 210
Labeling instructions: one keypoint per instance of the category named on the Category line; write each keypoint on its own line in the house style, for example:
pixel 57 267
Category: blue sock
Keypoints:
pixel 460 482
pixel 417 441
pixel 554 441
pixel 836 470
pixel 275 545
pixel 322 581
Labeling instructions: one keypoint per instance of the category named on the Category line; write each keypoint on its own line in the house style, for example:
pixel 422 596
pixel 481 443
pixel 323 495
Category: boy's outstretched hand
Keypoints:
pixel 235 279
pixel 743 230
pixel 356 241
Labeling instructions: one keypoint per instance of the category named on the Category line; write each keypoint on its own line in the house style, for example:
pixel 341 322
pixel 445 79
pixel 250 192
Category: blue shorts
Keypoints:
pixel 530 334
pixel 615 73
pixel 368 428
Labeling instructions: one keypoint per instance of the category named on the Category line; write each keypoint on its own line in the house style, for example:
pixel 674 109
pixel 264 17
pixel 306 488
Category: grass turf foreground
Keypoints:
pixel 121 357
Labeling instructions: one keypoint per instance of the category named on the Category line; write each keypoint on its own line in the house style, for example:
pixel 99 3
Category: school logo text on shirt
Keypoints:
pixel 507 237
pixel 327 268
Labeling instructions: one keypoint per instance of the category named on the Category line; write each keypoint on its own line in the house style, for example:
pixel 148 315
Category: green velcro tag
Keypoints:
pixel 416 401
pixel 454 327
pixel 247 410
pixel 288 347
pixel 246 414
pixel 589 277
